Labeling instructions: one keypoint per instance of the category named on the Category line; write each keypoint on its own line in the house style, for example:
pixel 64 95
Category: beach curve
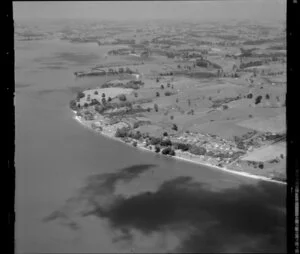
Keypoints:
pixel 244 174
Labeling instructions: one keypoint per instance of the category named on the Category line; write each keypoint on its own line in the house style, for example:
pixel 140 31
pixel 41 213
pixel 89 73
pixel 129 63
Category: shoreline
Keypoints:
pixel 245 174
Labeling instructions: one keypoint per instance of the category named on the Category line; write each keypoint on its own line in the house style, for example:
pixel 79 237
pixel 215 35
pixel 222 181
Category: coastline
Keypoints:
pixel 245 174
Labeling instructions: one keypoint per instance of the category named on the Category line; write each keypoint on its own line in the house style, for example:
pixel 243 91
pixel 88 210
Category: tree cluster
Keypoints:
pixel 157 148
pixel 122 97
pixel 94 102
pixel 122 132
pixel 175 127
pixel 166 142
pixel 168 151
pixel 73 105
pixel 155 141
pixel 258 99
pixel 181 146
pixel 80 95
pixel 225 107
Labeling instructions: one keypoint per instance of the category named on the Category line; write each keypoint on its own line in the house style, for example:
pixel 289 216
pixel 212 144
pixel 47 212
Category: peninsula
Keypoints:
pixel 218 102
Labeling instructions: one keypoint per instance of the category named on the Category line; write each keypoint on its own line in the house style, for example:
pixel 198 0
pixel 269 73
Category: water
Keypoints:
pixel 77 191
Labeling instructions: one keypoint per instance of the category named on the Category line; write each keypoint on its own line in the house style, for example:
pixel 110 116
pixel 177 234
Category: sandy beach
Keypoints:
pixel 245 174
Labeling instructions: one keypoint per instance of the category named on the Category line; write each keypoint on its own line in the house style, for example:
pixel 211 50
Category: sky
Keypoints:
pixel 264 10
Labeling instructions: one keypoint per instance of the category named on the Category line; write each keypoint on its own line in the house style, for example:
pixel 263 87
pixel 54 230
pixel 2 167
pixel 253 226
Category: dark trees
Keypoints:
pixel 258 99
pixel 165 142
pixel 155 141
pixel 122 132
pixel 240 145
pixel 172 152
pixel 168 151
pixel 157 149
pixel 73 105
pixel 137 135
pixel 181 146
pixel 225 107
pixel 94 102
pixel 80 95
pixel 122 97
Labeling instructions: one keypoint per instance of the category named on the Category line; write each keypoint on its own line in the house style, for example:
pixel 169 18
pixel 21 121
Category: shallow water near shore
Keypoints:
pixel 77 191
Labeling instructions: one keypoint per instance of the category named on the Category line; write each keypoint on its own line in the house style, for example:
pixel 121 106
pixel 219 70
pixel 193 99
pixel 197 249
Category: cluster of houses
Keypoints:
pixel 209 142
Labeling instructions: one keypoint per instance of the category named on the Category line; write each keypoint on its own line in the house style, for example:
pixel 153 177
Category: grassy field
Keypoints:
pixel 188 95
pixel 223 129
pixel 274 124
pixel 267 153
pixel 109 92
pixel 190 102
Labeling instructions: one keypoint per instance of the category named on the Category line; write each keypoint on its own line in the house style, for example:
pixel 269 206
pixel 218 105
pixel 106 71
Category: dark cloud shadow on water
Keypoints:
pixel 250 218
pixel 98 189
